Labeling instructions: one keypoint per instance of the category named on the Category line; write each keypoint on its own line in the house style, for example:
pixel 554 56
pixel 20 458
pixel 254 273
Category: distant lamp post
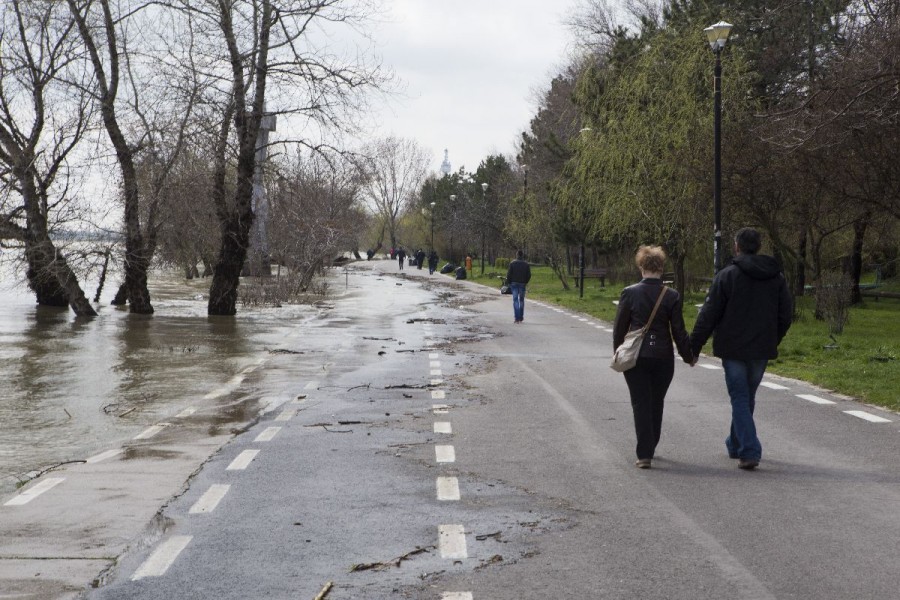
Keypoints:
pixel 484 188
pixel 432 225
pixel 453 223
pixel 524 201
pixel 581 255
pixel 717 35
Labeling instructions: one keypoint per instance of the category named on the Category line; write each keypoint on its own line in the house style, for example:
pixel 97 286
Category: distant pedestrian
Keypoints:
pixel 420 258
pixel 392 253
pixel 748 312
pixel 517 276
pixel 401 256
pixel 432 262
pixel 648 381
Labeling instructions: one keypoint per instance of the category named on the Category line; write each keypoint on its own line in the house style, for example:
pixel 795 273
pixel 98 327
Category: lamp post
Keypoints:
pixel 524 200
pixel 453 223
pixel 432 225
pixel 717 35
pixel 484 188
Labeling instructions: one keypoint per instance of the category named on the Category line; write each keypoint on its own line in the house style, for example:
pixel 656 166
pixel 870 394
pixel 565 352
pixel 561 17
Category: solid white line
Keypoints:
pixel 286 415
pixel 440 409
pixel 444 454
pixel 210 499
pixel 311 385
pixel 435 364
pixel 242 461
pixel 867 416
pixel 815 399
pixel 268 435
pixel 447 488
pixel 452 541
pixel 773 386
pixel 434 356
pixel 443 427
pixel 186 413
pixel 438 394
pixel 103 456
pixel 162 558
pixel 33 492
pixel 150 431
pixel 435 373
pixel 456 596
pixel 711 367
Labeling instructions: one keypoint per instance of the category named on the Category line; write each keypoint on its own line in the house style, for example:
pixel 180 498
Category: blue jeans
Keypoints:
pixel 518 294
pixel 742 377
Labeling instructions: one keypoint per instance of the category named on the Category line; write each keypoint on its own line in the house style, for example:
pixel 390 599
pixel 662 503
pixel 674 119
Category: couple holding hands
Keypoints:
pixel 748 311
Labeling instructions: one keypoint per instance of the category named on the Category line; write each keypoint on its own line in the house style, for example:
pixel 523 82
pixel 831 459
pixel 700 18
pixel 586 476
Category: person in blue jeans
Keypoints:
pixel 517 277
pixel 748 312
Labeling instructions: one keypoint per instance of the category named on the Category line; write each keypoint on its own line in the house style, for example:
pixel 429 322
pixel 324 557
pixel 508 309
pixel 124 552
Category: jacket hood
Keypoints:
pixel 757 266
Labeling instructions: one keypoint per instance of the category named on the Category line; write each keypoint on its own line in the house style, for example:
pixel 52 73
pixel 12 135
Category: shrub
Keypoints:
pixel 501 263
pixel 833 299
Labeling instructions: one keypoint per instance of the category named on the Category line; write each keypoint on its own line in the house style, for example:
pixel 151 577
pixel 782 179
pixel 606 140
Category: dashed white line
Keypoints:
pixel 437 381
pixel 582 319
pixel 440 409
pixel 434 356
pixel 711 367
pixel 162 558
pixel 443 427
pixel 104 455
pixel 33 492
pixel 452 541
pixel 242 461
pixel 815 399
pixel 286 415
pixel 268 435
pixel 186 413
pixel 867 416
pixel 210 499
pixel 150 431
pixel 447 488
pixel 435 364
pixel 436 373
pixel 311 385
pixel 773 386
pixel 456 596
pixel 444 454
pixel 438 394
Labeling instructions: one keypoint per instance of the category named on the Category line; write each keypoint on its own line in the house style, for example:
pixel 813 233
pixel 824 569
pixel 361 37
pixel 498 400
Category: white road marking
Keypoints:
pixel 210 499
pixel 268 435
pixel 186 413
pixel 447 488
pixel 434 356
pixel 711 367
pixel 150 431
pixel 867 416
pixel 452 541
pixel 583 320
pixel 815 399
pixel 773 386
pixel 242 461
pixel 162 558
pixel 437 381
pixel 311 385
pixel 607 330
pixel 456 596
pixel 443 427
pixel 435 373
pixel 103 456
pixel 599 326
pixel 286 415
pixel 438 394
pixel 435 364
pixel 33 492
pixel 444 454
pixel 218 393
pixel 440 409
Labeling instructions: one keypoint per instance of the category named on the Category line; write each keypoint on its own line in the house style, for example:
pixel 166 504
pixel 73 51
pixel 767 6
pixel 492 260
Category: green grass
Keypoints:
pixel 865 364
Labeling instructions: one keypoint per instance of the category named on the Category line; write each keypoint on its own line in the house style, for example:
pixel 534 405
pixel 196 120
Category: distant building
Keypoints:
pixel 445 166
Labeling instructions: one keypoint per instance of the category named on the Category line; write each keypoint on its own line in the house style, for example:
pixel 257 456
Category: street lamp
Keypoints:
pixel 432 225
pixel 452 223
pixel 717 35
pixel 484 188
pixel 524 200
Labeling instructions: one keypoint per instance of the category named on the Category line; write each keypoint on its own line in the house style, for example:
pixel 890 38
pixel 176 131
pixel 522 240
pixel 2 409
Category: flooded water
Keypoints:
pixel 70 387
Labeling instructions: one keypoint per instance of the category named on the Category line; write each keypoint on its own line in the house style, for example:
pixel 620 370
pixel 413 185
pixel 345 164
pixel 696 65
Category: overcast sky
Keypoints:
pixel 469 70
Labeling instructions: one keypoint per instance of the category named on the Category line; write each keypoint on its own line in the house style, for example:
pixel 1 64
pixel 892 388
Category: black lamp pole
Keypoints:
pixel 717 35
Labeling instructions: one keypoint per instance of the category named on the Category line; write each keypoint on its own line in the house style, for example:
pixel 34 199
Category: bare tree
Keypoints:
pixel 36 137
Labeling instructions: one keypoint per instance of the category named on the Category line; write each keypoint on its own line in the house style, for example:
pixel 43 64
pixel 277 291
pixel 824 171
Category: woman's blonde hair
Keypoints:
pixel 651 259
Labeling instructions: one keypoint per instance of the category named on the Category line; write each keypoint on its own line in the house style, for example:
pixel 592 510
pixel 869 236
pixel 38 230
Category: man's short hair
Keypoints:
pixel 748 240
pixel 520 255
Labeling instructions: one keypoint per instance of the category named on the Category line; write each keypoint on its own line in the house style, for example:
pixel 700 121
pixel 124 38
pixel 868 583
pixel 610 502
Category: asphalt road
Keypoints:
pixel 424 446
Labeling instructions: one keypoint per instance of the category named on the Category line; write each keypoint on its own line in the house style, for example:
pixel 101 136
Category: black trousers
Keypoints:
pixel 648 383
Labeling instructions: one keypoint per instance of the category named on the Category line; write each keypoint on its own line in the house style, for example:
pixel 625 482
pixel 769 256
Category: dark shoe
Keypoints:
pixel 747 464
pixel 642 463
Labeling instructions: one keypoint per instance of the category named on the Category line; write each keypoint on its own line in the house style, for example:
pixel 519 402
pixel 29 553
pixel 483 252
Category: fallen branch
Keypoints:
pixel 48 469
pixel 324 592
pixel 394 562
pixel 495 535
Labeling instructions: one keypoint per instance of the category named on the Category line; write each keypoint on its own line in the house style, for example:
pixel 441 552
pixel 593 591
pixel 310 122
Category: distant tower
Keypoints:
pixel 445 166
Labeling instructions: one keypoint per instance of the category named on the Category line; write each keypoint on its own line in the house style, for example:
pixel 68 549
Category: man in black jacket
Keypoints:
pixel 748 312
pixel 517 277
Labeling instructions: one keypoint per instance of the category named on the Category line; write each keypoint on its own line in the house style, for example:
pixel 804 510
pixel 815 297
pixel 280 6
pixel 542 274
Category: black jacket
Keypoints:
pixel 748 310
pixel 518 272
pixel 635 305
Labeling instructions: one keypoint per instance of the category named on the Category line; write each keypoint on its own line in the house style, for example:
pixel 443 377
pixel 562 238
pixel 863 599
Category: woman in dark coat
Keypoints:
pixel 649 380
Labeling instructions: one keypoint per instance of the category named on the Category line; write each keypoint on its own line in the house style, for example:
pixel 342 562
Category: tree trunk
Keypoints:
pixel 800 281
pixel 859 234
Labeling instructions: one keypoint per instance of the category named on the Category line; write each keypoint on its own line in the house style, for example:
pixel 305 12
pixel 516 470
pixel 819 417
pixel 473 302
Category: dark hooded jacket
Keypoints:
pixel 748 310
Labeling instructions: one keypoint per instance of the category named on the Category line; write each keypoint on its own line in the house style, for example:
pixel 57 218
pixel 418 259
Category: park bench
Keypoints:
pixel 591 273
pixel 878 294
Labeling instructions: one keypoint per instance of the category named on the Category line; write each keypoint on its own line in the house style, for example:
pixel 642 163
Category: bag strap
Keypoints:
pixel 655 308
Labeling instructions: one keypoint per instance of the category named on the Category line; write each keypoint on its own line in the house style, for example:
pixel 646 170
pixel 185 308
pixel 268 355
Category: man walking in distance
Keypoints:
pixel 748 312
pixel 517 277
